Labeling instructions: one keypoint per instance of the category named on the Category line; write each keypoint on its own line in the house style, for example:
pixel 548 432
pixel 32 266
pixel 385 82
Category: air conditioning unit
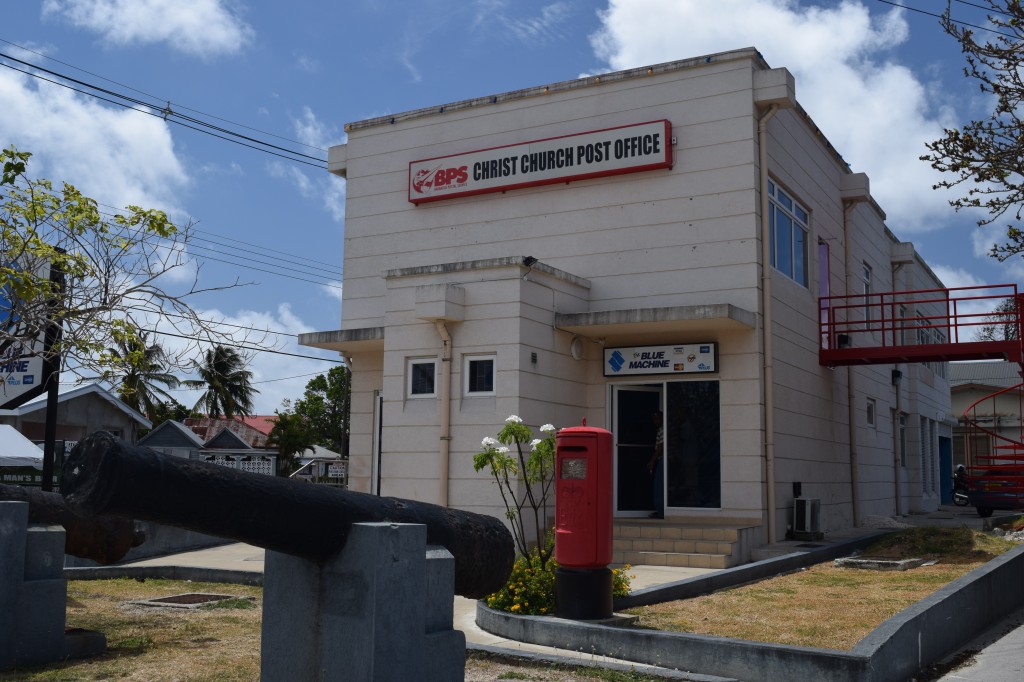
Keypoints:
pixel 807 519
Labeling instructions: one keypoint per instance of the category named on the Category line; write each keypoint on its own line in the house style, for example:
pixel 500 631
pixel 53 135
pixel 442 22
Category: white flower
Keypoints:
pixel 513 419
pixel 488 443
pixel 534 443
pixel 503 450
pixel 547 428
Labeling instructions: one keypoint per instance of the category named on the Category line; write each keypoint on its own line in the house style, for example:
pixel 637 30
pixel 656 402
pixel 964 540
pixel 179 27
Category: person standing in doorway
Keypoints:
pixel 656 467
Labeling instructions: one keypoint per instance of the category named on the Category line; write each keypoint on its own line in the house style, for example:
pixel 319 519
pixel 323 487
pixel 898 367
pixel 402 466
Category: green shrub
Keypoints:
pixel 531 585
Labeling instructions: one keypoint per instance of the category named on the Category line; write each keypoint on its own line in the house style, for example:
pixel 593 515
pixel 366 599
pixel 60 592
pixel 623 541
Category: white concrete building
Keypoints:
pixel 603 248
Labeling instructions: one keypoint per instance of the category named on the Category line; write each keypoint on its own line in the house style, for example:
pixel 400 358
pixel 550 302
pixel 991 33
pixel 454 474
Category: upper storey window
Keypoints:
pixel 787 221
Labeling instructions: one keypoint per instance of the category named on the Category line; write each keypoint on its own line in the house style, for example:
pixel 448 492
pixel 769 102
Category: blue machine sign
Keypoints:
pixel 692 358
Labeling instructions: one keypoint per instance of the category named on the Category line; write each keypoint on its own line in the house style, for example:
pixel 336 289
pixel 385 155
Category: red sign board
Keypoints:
pixel 612 151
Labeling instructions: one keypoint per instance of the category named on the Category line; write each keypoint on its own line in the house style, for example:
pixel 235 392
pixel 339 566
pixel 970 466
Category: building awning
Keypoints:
pixel 346 340
pixel 657 324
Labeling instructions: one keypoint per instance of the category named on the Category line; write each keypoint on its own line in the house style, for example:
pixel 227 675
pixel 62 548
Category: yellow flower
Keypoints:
pixel 515 607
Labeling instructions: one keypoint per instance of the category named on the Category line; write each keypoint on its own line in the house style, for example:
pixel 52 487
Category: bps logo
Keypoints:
pixel 426 181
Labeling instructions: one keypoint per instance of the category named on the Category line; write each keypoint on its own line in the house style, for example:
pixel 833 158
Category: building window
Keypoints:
pixel 479 373
pixel 871 411
pixel 899 436
pixel 422 377
pixel 787 224
pixel 865 283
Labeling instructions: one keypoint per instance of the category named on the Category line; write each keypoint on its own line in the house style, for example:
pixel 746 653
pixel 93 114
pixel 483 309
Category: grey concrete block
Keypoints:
pixel 39 635
pixel 44 552
pixel 379 610
pixel 291 620
pixel 440 585
pixel 13 529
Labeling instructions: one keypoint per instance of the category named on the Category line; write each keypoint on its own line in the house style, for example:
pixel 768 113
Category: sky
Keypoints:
pixel 878 80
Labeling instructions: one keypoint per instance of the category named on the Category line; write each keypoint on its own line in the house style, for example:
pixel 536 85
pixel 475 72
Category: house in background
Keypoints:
pixel 80 411
pixel 226 447
pixel 971 382
pixel 253 431
pixel 173 438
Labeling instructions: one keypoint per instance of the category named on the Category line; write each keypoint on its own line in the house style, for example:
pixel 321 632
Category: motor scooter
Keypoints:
pixel 960 486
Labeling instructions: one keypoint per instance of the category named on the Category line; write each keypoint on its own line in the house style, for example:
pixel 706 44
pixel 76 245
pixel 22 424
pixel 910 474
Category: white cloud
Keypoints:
pixel 321 186
pixel 956 277
pixel 116 156
pixel 875 111
pixel 314 132
pixel 202 28
pixel 540 28
pixel 308 64
pixel 334 289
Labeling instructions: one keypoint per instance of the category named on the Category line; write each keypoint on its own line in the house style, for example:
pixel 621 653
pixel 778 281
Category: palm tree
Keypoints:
pixel 229 390
pixel 135 370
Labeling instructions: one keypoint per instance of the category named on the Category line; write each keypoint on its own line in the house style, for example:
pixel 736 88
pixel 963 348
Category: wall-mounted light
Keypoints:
pixel 897 377
pixel 533 358
pixel 576 348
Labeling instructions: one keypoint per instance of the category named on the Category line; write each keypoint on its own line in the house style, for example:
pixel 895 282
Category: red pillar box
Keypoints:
pixel 583 523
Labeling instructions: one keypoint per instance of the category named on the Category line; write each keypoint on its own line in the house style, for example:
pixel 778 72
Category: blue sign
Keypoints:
pixel 678 359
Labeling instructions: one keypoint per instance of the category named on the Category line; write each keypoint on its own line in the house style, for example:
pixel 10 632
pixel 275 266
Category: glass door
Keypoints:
pixel 634 432
pixel 693 444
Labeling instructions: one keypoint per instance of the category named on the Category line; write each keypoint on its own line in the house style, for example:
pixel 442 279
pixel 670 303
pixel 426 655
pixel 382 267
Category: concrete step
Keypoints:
pixel 658 542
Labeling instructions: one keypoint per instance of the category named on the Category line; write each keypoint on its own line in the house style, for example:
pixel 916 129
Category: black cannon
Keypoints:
pixel 104 475
pixel 104 539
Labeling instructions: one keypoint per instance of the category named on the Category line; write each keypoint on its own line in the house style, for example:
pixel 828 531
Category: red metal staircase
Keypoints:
pixel 939 325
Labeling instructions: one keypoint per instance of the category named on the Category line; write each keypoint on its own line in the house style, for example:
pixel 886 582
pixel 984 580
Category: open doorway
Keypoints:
pixel 692 450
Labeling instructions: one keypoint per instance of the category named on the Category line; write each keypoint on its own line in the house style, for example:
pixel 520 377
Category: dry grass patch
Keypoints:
pixel 829 607
pixel 160 644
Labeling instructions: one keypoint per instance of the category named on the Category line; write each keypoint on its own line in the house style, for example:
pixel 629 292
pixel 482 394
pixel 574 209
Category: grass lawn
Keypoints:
pixel 826 606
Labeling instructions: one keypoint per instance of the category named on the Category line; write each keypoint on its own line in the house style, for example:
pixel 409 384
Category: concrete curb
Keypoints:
pixel 921 634
pixel 193 573
pixel 569 661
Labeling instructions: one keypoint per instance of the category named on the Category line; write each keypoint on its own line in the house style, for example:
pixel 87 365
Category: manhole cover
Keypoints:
pixel 879 563
pixel 190 600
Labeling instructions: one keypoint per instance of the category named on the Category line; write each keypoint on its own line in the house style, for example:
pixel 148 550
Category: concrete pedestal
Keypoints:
pixel 33 594
pixel 381 609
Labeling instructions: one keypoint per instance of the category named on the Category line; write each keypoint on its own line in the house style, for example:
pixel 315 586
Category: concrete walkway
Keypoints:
pixel 998 658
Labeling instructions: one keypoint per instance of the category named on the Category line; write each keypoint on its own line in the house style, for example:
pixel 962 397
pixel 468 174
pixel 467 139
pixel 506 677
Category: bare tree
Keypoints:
pixel 120 274
pixel 986 156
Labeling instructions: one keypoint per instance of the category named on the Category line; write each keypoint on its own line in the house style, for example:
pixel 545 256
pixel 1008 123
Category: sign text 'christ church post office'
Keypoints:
pixel 626 149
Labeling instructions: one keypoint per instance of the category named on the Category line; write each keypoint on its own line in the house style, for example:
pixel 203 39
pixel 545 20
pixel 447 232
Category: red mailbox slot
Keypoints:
pixel 583 497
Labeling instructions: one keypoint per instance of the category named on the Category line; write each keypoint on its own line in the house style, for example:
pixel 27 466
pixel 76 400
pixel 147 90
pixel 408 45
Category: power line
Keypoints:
pixel 327 278
pixel 227 324
pixel 272 272
pixel 987 9
pixel 240 346
pixel 167 114
pixel 313 270
pixel 154 97
pixel 940 16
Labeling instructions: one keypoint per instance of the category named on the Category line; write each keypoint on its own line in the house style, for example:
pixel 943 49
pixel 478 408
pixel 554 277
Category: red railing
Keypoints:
pixel 938 325
pixel 995 454
pixel 928 325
